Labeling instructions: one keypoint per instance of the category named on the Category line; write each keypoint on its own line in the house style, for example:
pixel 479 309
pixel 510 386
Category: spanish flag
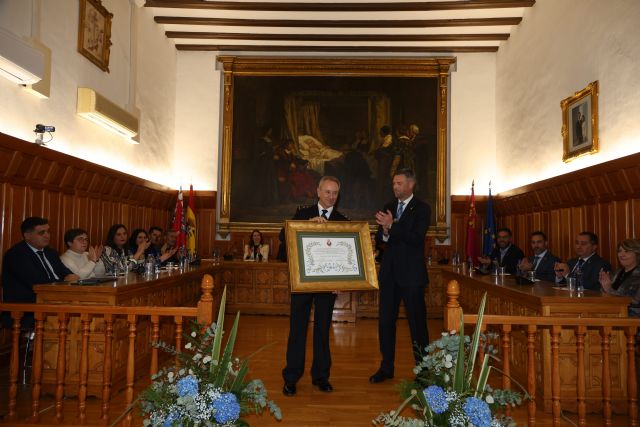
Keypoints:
pixel 190 218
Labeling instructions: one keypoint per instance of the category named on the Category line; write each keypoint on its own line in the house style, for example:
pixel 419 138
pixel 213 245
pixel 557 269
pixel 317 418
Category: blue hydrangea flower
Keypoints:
pixel 477 411
pixel 227 408
pixel 436 399
pixel 171 419
pixel 187 386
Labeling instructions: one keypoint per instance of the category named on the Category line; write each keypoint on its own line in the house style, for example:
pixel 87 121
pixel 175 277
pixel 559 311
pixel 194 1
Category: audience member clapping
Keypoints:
pixel 256 250
pixel 82 259
pixel 626 281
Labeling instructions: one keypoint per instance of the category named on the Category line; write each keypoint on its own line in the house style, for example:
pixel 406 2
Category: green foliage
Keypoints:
pixel 204 388
pixel 445 392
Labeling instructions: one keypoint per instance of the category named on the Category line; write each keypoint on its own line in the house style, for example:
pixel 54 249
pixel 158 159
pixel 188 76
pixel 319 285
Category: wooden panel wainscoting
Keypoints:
pixel 71 192
pixel 603 198
pixel 263 288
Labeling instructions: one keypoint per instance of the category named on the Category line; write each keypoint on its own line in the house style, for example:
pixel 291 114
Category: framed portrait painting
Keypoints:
pixel 580 123
pixel 94 33
pixel 289 121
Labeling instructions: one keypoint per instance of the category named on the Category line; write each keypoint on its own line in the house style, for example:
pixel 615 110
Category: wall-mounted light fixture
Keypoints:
pixel 95 107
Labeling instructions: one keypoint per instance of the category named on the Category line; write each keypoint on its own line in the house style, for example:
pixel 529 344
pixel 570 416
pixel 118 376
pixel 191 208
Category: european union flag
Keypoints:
pixel 489 232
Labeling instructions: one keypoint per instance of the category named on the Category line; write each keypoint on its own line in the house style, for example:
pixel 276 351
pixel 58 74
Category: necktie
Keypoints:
pixel 400 210
pixel 580 263
pixel 50 273
pixel 324 213
pixel 536 260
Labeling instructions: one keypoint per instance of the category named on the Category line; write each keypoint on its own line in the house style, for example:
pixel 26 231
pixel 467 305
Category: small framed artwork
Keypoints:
pixel 580 123
pixel 94 33
pixel 333 256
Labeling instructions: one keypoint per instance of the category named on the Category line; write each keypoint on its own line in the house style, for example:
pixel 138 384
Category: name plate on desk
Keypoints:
pixel 333 256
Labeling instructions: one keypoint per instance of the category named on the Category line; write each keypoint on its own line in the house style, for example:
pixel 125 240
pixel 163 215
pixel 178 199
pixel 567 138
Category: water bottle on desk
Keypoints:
pixel 579 280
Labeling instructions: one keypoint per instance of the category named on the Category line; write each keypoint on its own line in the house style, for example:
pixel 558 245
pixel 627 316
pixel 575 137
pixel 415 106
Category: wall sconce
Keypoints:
pixel 95 107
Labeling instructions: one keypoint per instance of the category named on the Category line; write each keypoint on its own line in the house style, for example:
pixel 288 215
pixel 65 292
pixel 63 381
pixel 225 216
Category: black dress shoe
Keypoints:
pixel 379 376
pixel 289 389
pixel 323 385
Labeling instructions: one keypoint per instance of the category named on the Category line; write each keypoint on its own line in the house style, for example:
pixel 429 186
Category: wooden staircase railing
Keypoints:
pixel 203 313
pixel 532 325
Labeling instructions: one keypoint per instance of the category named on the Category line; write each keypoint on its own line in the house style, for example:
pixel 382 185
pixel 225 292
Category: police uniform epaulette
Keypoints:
pixel 348 219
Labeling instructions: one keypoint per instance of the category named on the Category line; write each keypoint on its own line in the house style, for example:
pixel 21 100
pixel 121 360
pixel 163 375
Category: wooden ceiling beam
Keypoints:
pixel 340 6
pixel 325 23
pixel 337 37
pixel 307 48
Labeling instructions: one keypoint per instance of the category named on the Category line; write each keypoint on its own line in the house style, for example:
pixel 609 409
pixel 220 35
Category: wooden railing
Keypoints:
pixel 203 313
pixel 533 325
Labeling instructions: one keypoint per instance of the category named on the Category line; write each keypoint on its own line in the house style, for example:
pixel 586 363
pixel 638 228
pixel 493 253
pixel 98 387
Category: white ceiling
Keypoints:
pixel 353 26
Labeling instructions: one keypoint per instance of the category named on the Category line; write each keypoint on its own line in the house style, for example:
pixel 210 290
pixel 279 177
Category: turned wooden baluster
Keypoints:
pixel 205 305
pixel 555 374
pixel 632 369
pixel 178 320
pixel 155 337
pixel 531 374
pixel 605 333
pixel 61 365
pixel 83 373
pixel 36 368
pixel 131 366
pixel 106 367
pixel 15 364
pixel 506 361
pixel 581 386
pixel 452 311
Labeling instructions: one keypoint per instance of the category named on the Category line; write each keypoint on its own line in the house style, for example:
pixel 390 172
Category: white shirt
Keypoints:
pixel 81 265
pixel 35 251
pixel 321 208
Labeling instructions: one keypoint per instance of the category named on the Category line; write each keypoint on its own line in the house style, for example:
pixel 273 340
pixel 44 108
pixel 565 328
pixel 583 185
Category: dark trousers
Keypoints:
pixel 413 297
pixel 300 311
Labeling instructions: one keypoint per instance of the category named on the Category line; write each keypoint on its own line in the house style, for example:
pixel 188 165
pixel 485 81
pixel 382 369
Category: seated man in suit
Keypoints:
pixel 587 265
pixel 29 263
pixel 542 261
pixel 505 253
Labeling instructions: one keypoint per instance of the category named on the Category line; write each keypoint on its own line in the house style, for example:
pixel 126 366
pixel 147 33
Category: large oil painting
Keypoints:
pixel 289 130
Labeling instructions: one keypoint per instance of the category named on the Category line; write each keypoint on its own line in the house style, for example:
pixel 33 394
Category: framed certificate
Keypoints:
pixel 334 256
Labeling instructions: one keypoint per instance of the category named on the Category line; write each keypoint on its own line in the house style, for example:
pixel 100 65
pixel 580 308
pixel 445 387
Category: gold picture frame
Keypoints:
pixel 94 33
pixel 237 68
pixel 580 123
pixel 315 256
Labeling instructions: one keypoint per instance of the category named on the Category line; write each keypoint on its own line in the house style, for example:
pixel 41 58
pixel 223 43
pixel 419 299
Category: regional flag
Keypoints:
pixel 471 246
pixel 191 223
pixel 178 221
pixel 489 232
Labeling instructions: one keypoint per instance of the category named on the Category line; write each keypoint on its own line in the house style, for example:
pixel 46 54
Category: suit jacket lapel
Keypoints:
pixel 407 209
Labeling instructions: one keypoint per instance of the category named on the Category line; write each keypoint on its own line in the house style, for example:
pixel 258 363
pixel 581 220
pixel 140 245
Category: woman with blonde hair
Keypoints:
pixel 626 281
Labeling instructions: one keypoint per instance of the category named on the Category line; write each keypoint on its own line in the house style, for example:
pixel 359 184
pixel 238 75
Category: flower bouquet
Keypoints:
pixel 205 387
pixel 445 392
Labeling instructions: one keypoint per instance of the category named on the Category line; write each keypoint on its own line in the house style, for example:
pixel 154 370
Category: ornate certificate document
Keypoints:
pixel 330 256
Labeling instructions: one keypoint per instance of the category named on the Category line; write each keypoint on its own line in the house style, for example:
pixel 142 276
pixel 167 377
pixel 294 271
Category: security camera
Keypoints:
pixel 44 128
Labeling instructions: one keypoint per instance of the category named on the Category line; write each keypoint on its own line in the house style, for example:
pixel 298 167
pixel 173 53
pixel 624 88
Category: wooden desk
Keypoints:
pixel 263 288
pixel 505 297
pixel 172 288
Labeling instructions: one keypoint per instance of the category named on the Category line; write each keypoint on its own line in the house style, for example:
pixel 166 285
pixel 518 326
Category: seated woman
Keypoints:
pixel 116 246
pixel 82 259
pixel 256 250
pixel 626 281
pixel 139 245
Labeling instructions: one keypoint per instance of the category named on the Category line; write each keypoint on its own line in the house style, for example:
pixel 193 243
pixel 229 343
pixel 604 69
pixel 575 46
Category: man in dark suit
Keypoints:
pixel 587 265
pixel 323 211
pixel 31 262
pixel 402 225
pixel 542 261
pixel 505 253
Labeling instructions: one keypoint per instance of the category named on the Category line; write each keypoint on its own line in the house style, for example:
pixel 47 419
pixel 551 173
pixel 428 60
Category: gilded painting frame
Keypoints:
pixel 580 123
pixel 233 67
pixel 365 279
pixel 94 33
